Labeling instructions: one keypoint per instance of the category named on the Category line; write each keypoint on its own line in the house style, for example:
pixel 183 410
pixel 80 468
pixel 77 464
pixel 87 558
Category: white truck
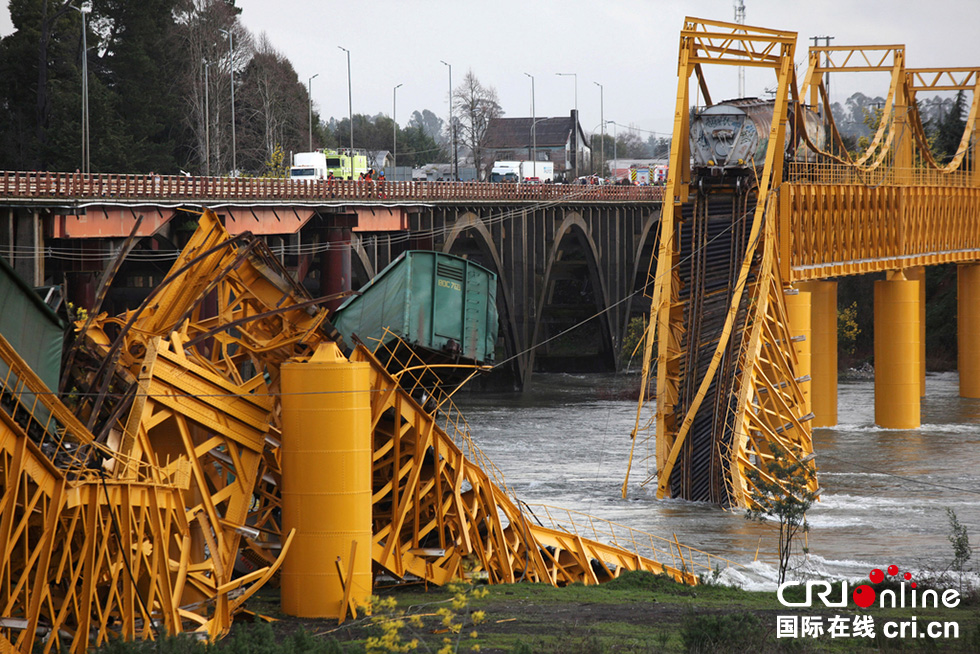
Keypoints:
pixel 308 166
pixel 538 171
pixel 523 171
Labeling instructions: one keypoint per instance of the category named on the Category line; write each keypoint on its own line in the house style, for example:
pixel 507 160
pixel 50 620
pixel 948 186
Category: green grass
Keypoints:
pixel 638 613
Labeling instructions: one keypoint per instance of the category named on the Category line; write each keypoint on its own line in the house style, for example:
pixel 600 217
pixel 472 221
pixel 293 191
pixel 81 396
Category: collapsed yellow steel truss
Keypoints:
pixel 890 207
pixel 148 501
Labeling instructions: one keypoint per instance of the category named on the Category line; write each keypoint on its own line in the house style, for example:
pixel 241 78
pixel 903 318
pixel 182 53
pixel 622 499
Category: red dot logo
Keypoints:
pixel 876 576
pixel 893 570
pixel 864 596
pixel 907 575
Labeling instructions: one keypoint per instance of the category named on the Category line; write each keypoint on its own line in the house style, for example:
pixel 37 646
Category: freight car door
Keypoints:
pixel 447 302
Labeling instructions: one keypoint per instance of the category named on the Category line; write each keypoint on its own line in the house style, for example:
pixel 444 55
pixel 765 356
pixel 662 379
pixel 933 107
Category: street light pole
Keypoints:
pixel 534 132
pixel 602 119
pixel 452 124
pixel 231 73
pixel 85 9
pixel 350 113
pixel 574 77
pixel 615 139
pixel 207 123
pixel 394 127
pixel 309 92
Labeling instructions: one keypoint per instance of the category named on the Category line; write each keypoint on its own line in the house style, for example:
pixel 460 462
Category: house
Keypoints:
pixel 558 140
pixel 379 159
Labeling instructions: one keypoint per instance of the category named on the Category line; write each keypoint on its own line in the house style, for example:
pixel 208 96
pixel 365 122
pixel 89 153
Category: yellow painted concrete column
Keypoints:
pixel 919 274
pixel 798 308
pixel 968 328
pixel 326 484
pixel 823 351
pixel 897 358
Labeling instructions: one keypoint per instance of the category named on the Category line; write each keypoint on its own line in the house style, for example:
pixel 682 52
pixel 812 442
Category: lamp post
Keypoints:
pixel 84 10
pixel 231 73
pixel 574 77
pixel 615 139
pixel 207 123
pixel 534 135
pixel 350 113
pixel 394 126
pixel 452 124
pixel 309 92
pixel 602 120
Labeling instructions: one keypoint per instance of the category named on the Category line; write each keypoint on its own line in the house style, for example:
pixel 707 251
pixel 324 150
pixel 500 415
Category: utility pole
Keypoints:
pixel 740 19
pixel 534 132
pixel 394 129
pixel 350 112
pixel 85 10
pixel 602 121
pixel 231 73
pixel 309 93
pixel 574 77
pixel 452 123
pixel 207 123
pixel 826 42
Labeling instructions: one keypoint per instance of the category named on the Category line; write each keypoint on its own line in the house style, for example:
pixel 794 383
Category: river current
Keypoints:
pixel 565 442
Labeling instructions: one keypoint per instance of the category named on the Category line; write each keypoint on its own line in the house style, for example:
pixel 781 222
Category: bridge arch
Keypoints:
pixel 573 249
pixel 362 268
pixel 470 236
pixel 644 267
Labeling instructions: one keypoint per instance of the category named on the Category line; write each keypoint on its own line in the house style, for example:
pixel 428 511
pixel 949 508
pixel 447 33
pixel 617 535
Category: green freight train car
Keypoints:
pixel 442 305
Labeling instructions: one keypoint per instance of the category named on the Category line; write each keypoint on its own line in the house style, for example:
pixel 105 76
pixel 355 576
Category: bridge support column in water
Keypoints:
pixel 897 356
pixel 326 484
pixel 335 270
pixel 968 328
pixel 799 310
pixel 823 351
pixel 919 274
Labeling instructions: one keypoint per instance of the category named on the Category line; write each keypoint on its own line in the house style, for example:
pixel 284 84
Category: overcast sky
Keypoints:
pixel 628 46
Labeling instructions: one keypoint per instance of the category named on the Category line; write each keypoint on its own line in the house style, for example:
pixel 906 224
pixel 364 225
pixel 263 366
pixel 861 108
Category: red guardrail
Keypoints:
pixel 179 188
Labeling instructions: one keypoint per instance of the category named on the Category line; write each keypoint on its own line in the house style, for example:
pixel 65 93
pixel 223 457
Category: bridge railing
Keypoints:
pixel 179 188
pixel 819 173
pixel 833 228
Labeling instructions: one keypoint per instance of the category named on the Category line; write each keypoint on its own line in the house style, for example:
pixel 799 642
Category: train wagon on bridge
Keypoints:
pixel 444 306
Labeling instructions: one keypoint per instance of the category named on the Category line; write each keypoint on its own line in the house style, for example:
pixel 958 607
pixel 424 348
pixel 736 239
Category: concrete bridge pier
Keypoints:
pixel 898 359
pixel 24 244
pixel 968 328
pixel 335 273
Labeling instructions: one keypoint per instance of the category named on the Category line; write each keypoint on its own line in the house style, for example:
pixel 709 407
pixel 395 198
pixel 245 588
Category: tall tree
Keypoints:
pixel 205 85
pixel 40 85
pixel 416 147
pixel 273 108
pixel 950 128
pixel 430 124
pixel 137 55
pixel 474 105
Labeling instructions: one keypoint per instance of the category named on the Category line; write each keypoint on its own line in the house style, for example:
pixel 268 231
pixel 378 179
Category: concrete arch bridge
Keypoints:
pixel 564 254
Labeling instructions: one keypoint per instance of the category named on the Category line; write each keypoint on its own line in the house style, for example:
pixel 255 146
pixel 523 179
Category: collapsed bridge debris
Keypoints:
pixel 146 496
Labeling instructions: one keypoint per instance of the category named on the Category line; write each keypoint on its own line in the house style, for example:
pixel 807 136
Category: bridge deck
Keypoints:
pixel 45 187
